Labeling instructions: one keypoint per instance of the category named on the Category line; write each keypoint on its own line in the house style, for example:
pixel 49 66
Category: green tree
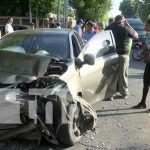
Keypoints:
pixel 128 8
pixel 95 9
pixel 42 7
pixel 21 7
pixel 13 8
pixel 144 10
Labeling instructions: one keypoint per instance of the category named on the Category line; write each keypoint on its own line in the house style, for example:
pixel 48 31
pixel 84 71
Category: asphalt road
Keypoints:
pixel 119 127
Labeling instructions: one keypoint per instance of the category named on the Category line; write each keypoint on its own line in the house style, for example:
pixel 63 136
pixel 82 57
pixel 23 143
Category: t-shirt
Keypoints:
pixel 79 30
pixel 53 25
pixel 8 28
pixel 121 36
pixel 88 35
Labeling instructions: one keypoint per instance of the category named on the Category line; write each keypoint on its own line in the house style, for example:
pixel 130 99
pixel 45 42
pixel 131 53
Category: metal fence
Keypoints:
pixel 39 22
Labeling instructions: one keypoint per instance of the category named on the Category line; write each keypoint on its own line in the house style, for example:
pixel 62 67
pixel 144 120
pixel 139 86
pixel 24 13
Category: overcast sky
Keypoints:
pixel 115 8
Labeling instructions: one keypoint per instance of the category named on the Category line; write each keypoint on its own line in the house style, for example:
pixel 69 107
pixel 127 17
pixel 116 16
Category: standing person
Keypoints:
pixel 89 33
pixel 78 27
pixel 52 24
pixel 96 28
pixel 122 31
pixel 8 26
pixel 146 77
pixel 32 25
pixel 111 21
pixel 101 26
pixel 58 24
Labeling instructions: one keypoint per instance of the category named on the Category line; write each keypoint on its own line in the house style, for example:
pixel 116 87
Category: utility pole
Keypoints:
pixel 65 13
pixel 30 12
pixel 137 7
pixel 58 13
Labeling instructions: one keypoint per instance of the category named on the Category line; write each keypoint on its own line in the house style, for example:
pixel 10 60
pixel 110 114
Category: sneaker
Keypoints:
pixel 124 96
pixel 109 99
pixel 112 98
pixel 139 106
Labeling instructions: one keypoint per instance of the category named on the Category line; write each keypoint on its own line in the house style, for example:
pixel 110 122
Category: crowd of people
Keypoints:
pixel 122 32
pixel 88 29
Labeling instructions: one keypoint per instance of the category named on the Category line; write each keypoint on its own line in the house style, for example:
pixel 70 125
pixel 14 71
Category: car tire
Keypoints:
pixel 67 134
pixel 136 54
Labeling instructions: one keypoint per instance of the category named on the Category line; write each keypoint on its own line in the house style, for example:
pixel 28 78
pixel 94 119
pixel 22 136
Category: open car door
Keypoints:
pixel 99 81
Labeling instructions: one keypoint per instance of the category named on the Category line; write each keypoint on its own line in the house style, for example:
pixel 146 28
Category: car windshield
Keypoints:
pixel 54 45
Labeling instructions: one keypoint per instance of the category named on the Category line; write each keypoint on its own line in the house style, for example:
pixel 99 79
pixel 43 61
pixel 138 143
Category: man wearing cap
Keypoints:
pixel 89 31
pixel 78 27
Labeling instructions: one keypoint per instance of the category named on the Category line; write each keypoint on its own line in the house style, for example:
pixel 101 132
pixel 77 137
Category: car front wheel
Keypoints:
pixel 69 133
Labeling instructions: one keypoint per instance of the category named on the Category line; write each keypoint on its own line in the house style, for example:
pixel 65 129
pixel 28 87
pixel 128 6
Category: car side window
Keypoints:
pixel 76 48
pixel 107 46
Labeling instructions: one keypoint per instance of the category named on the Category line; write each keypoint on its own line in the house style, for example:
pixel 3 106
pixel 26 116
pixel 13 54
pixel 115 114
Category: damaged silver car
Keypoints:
pixel 48 81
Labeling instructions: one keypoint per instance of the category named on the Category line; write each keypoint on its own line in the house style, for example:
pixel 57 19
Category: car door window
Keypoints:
pixel 101 45
pixel 106 49
pixel 76 48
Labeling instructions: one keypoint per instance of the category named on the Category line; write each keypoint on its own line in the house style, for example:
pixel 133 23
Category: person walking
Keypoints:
pixel 146 76
pixel 122 32
pixel 8 26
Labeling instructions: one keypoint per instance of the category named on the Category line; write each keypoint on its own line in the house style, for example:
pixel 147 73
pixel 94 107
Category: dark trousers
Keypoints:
pixel 146 83
pixel 145 92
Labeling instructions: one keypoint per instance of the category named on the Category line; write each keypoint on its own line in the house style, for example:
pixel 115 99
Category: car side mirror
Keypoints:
pixel 89 59
pixel 84 41
pixel 106 43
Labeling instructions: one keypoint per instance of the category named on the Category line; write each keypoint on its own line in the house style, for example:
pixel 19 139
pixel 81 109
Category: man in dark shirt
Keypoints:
pixel 122 32
pixel 52 24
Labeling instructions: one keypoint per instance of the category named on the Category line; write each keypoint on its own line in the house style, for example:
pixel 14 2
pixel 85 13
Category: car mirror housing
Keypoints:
pixel 89 59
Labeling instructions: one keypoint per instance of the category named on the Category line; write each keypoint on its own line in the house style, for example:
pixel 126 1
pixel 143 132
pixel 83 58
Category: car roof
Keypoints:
pixel 134 21
pixel 44 30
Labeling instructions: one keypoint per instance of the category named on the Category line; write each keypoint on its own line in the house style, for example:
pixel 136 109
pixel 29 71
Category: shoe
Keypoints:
pixel 112 98
pixel 109 99
pixel 124 96
pixel 139 106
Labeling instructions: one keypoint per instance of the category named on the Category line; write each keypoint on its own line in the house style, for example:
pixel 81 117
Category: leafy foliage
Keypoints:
pixel 139 8
pixel 144 10
pixel 95 9
pixel 21 7
pixel 41 6
pixel 14 7
pixel 87 9
pixel 128 8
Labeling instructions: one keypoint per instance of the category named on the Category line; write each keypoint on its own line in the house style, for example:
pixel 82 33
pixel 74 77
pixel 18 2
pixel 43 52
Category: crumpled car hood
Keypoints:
pixel 18 67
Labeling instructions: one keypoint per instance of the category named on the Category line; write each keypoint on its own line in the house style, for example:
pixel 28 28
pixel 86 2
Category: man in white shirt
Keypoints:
pixel 8 26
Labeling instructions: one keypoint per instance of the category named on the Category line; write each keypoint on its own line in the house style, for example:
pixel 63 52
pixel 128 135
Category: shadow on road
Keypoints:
pixel 119 114
pixel 106 110
pixel 17 144
pixel 137 76
pixel 136 64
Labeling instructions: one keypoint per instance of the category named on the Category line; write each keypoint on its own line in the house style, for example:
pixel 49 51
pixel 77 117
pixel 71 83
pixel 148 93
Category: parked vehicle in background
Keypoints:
pixel 15 27
pixel 138 26
pixel 137 50
pixel 64 73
